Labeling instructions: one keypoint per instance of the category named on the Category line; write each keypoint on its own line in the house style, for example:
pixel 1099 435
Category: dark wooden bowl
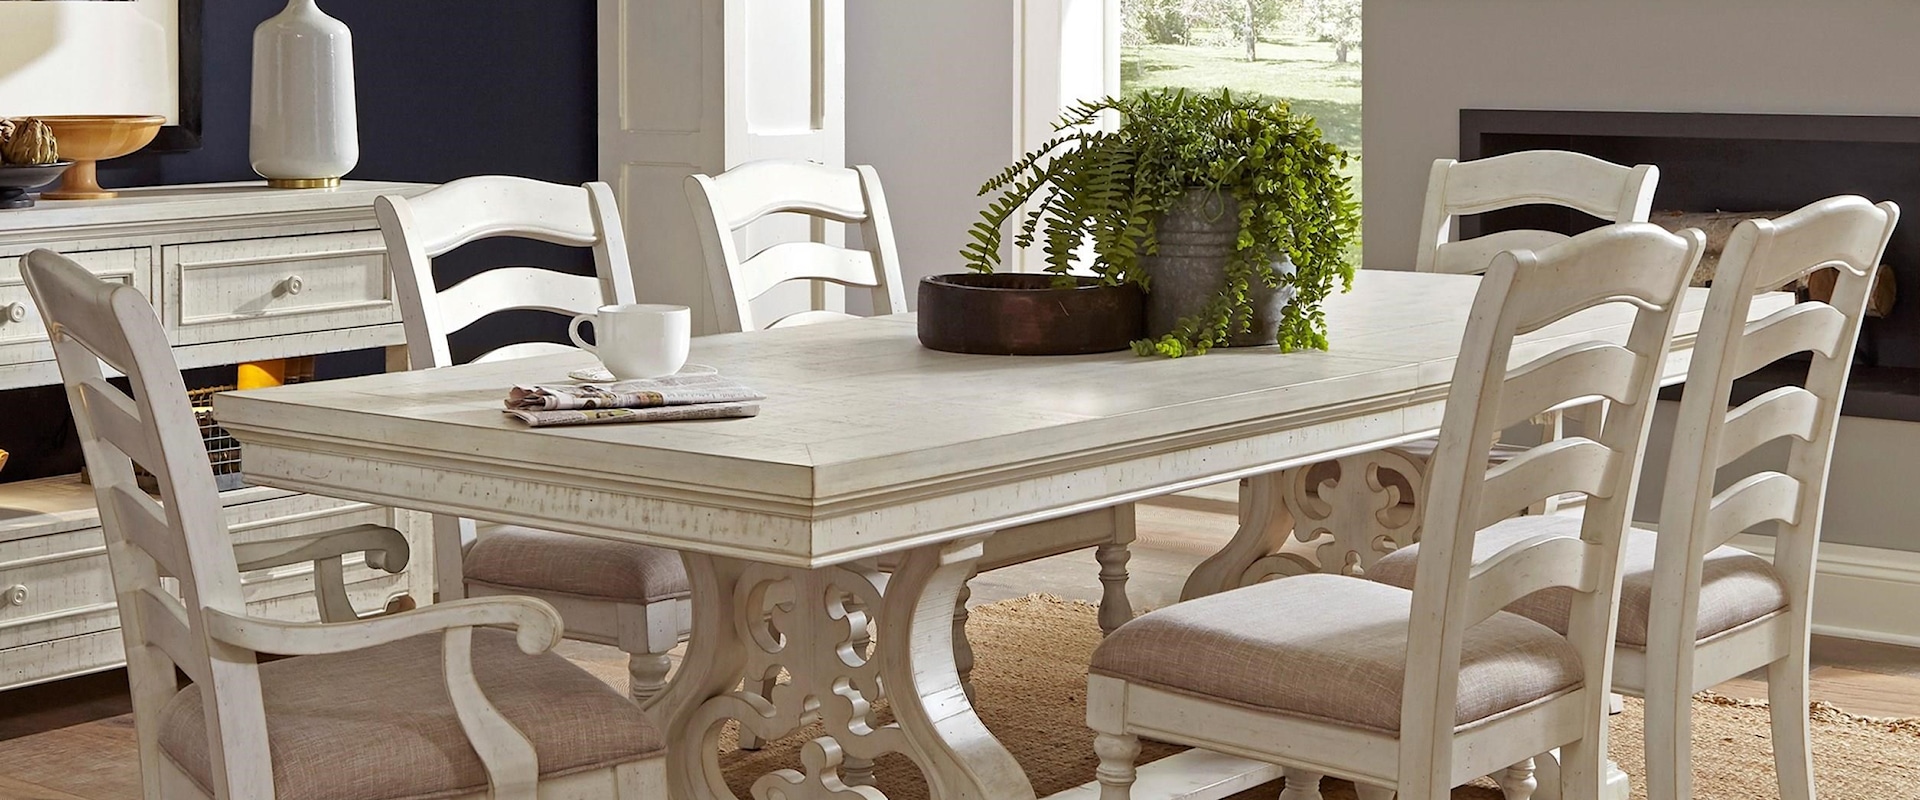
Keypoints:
pixel 1008 314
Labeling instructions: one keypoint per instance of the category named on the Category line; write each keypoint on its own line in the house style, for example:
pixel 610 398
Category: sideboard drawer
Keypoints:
pixel 23 334
pixel 269 287
pixel 56 586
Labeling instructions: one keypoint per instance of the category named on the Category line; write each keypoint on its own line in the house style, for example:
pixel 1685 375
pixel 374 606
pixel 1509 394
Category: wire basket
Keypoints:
pixel 223 451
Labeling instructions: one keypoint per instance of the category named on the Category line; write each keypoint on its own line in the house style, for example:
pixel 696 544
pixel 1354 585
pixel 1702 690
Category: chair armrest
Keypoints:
pixel 537 624
pixel 385 547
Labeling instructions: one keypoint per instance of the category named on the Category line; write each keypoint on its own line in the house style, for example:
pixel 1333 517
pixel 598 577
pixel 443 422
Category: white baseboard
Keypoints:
pixel 1865 593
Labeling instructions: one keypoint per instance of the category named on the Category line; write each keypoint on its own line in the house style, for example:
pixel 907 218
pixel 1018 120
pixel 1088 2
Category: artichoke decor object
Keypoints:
pixel 6 130
pixel 32 144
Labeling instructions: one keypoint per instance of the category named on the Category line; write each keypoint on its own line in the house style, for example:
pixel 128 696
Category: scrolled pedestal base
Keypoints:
pixel 756 620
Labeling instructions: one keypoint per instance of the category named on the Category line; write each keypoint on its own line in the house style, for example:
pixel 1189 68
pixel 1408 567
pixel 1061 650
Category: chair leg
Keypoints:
pixel 1583 769
pixel 647 675
pixel 1117 752
pixel 1115 609
pixel 1669 741
pixel 1518 782
pixel 1301 785
pixel 1546 772
pixel 1792 739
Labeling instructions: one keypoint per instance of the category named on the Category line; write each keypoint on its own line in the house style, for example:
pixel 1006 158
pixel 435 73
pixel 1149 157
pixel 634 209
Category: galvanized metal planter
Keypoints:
pixel 1196 238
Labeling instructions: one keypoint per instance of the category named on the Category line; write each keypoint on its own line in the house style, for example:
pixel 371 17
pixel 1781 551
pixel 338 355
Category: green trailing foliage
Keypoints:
pixel 1106 188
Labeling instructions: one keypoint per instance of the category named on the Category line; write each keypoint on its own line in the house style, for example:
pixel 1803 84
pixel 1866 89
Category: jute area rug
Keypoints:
pixel 1031 685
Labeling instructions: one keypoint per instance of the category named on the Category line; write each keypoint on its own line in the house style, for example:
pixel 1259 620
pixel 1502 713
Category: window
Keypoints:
pixel 1305 52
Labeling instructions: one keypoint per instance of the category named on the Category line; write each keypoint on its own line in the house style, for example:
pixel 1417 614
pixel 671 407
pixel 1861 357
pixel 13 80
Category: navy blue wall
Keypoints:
pixel 446 88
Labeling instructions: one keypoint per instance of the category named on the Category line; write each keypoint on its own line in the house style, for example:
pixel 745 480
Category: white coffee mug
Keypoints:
pixel 638 340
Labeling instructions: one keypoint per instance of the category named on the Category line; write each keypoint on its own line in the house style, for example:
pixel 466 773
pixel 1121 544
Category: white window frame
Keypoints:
pixel 1068 51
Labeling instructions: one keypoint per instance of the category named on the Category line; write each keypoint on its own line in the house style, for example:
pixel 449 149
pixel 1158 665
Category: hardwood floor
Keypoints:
pixel 73 740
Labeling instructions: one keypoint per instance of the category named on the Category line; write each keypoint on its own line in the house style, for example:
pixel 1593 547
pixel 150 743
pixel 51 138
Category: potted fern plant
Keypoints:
pixel 1230 212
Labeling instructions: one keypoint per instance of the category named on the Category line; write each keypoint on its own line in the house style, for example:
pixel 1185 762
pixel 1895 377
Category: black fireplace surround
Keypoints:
pixel 1747 162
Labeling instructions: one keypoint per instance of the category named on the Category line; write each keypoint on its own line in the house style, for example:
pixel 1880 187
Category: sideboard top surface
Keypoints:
pixel 160 204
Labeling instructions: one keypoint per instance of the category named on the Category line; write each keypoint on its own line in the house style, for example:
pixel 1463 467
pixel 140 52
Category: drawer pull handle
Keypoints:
pixel 15 595
pixel 294 284
pixel 14 312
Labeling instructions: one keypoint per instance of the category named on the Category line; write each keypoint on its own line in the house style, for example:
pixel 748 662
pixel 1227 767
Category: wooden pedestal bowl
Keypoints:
pixel 91 138
pixel 1015 314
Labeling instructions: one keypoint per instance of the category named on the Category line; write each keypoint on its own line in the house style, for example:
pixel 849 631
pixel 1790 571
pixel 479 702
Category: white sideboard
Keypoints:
pixel 238 272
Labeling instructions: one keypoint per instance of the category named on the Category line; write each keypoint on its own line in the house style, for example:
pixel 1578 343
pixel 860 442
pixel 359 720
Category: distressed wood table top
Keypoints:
pixel 868 443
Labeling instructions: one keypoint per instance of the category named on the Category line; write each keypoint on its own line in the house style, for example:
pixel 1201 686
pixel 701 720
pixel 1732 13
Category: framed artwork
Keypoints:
pixel 105 57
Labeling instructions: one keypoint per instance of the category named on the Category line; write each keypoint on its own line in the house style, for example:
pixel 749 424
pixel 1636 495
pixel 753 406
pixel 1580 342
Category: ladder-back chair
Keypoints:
pixel 429 702
pixel 1418 691
pixel 1695 611
pixel 632 596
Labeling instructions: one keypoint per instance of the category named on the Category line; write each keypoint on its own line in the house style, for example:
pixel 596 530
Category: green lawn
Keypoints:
pixel 1294 68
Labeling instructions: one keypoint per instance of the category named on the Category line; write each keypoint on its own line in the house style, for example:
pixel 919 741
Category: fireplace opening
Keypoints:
pixel 1718 168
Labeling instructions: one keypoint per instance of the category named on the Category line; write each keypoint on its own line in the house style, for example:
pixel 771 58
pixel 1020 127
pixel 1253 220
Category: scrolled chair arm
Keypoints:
pixel 385 547
pixel 536 623
pixel 513 769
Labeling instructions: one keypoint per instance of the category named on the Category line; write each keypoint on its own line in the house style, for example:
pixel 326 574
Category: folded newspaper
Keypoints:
pixel 677 397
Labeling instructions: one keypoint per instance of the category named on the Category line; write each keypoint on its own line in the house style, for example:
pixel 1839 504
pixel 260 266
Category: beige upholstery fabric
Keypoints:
pixel 534 560
pixel 1736 587
pixel 1328 647
pixel 377 724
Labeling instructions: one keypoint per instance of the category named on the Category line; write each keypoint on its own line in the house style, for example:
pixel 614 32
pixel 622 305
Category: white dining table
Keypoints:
pixel 869 445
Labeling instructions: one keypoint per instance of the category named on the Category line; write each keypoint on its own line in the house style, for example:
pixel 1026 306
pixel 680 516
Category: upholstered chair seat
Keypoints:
pixel 511 557
pixel 1736 587
pixel 1329 648
pixel 377 724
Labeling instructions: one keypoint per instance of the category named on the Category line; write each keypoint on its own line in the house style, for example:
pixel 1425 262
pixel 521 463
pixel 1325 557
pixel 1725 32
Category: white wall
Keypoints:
pixel 88 58
pixel 1427 59
pixel 931 105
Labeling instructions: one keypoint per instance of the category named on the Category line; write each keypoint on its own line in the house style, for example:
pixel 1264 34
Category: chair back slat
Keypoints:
pixel 420 228
pixel 1583 370
pixel 1633 270
pixel 144 523
pixel 471 209
pixel 789 261
pixel 117 420
pixel 756 189
pixel 1758 498
pixel 1608 191
pixel 1564 466
pixel 811 317
pixel 518 289
pixel 1798 328
pixel 166 628
pixel 1471 256
pixel 1779 413
pixel 725 205
pixel 1528 566
pixel 1638 265
pixel 96 324
pixel 523 350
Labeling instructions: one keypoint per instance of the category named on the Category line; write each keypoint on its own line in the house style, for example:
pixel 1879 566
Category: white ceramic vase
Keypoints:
pixel 305 132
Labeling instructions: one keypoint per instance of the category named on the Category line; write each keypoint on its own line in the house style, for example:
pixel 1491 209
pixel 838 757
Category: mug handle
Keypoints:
pixel 573 332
